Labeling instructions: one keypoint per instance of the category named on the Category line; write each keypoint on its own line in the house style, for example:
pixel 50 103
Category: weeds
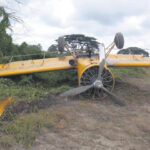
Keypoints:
pixel 131 71
pixel 37 85
pixel 25 128
pixel 6 141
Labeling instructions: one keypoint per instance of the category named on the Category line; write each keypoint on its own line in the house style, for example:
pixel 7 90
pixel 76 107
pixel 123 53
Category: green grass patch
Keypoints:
pixel 10 88
pixel 6 141
pixel 25 128
pixel 119 72
pixel 38 85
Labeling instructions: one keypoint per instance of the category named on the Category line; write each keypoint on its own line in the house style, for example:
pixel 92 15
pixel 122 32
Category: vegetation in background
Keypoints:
pixel 134 51
pixel 78 42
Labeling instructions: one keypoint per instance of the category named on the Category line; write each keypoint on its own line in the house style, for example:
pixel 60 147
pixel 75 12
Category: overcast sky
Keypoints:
pixel 46 20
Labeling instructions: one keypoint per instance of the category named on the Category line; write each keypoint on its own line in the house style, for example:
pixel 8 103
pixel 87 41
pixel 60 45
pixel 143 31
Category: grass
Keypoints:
pixel 25 128
pixel 6 141
pixel 30 87
pixel 129 71
pixel 18 92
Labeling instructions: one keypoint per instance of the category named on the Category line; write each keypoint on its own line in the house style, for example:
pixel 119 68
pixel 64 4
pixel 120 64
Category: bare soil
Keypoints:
pixel 100 124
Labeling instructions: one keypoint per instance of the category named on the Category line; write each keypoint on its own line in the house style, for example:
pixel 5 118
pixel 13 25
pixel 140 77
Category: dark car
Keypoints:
pixel 134 51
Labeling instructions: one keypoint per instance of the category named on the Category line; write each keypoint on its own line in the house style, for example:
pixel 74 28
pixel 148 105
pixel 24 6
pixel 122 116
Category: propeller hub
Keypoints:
pixel 98 84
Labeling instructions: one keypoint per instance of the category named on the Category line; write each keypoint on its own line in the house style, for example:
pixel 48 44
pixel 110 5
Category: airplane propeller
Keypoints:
pixel 98 84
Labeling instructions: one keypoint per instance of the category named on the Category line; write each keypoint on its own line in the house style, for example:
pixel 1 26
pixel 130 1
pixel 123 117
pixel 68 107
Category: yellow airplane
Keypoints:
pixel 93 71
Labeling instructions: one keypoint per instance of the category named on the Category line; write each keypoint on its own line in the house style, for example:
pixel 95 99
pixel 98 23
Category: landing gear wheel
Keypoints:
pixel 119 40
pixel 89 77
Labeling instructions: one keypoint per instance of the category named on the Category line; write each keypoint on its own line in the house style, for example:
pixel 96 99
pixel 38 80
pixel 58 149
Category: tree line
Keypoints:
pixel 7 47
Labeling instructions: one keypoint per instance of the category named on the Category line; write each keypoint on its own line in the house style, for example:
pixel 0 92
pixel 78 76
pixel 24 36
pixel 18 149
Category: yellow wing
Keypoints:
pixel 33 66
pixel 61 63
pixel 128 61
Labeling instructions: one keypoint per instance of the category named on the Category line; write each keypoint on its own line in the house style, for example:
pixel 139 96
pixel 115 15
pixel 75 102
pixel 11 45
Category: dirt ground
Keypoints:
pixel 102 125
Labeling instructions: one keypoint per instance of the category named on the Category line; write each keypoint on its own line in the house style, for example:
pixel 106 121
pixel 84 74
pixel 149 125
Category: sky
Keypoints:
pixel 45 20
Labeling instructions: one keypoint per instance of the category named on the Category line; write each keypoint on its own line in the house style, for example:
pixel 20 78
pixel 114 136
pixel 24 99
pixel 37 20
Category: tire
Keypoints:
pixel 61 44
pixel 119 40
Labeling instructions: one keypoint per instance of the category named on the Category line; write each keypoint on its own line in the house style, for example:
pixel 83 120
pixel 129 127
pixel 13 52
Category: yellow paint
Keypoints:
pixel 32 66
pixel 86 63
pixel 128 61
pixel 61 63
pixel 4 103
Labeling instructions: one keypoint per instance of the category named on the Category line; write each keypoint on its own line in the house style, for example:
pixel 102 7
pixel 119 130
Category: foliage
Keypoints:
pixel 53 48
pixel 8 48
pixel 8 87
pixel 79 42
pixel 5 39
pixel 56 78
pixel 38 85
pixel 134 51
pixel 25 49
pixel 5 22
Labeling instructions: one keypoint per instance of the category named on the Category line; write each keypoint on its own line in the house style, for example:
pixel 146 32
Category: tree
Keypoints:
pixel 34 50
pixel 53 48
pixel 5 39
pixel 134 51
pixel 80 40
pixel 81 43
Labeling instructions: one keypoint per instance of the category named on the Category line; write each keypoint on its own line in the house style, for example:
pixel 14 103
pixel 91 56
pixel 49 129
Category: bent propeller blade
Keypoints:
pixel 113 97
pixel 76 91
